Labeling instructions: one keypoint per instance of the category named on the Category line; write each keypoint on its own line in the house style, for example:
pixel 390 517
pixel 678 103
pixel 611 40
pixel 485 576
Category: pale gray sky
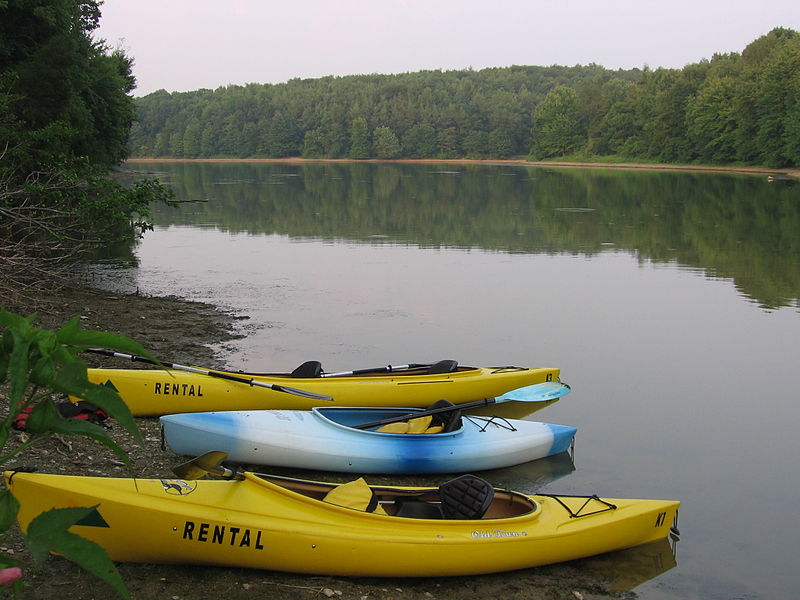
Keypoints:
pixel 182 45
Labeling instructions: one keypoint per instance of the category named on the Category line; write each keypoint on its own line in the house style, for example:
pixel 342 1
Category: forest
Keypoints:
pixel 736 108
pixel 65 116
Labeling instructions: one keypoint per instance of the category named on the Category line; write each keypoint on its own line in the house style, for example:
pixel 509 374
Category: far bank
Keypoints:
pixel 741 170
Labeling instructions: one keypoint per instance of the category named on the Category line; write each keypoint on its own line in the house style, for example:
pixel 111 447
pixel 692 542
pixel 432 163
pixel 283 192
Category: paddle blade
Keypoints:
pixel 539 392
pixel 200 466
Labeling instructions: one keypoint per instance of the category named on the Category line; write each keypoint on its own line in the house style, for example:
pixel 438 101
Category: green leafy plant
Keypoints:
pixel 37 365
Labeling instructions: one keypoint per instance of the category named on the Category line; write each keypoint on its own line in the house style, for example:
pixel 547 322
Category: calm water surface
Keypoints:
pixel 669 301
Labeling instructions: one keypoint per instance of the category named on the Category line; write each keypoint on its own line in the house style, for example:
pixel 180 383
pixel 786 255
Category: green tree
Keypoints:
pixel 500 143
pixel 65 114
pixel 230 139
pixel 176 144
pixel 448 143
pixel 314 144
pixel 208 141
pixel 711 120
pixel 777 100
pixel 360 145
pixel 191 139
pixel 386 143
pixel 283 136
pixel 420 141
pixel 55 73
pixel 476 143
pixel 162 146
pixel 557 124
pixel 618 130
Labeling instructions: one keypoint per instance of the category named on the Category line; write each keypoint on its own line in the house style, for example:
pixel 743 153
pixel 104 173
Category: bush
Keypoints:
pixel 36 365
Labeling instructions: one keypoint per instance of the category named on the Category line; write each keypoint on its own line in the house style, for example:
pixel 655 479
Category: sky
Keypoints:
pixel 183 45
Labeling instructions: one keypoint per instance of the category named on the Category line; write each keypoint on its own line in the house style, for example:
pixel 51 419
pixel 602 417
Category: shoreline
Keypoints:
pixel 788 173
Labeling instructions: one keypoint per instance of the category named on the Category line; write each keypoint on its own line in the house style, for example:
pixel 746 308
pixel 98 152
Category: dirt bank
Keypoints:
pixel 188 332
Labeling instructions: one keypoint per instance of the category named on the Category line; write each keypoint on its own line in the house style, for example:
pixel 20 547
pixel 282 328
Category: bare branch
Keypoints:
pixel 41 239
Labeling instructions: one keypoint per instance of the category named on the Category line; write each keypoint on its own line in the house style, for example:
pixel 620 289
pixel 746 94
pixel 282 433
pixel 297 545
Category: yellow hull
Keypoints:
pixel 281 524
pixel 152 392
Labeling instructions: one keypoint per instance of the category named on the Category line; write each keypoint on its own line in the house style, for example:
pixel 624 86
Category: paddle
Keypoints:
pixel 539 392
pixel 200 466
pixel 444 366
pixel 386 369
pixel 227 376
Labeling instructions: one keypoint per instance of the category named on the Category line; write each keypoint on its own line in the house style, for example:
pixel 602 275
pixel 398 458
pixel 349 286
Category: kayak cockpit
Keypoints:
pixel 464 498
pixel 441 417
pixel 312 369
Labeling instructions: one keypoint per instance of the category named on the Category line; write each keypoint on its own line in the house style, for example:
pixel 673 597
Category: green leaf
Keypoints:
pixel 5 430
pixel 18 366
pixel 43 371
pixel 4 360
pixel 48 532
pixel 43 417
pixel 71 380
pixel 72 334
pixel 9 319
pixel 9 506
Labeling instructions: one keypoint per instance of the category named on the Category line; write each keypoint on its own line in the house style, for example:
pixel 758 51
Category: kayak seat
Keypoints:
pixel 355 494
pixel 443 366
pixel 450 420
pixel 465 497
pixel 399 427
pixel 309 369
pixel 417 425
pixel 411 508
pixel 420 424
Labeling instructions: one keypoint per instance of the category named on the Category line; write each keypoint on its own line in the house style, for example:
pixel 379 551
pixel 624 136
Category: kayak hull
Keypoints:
pixel 325 439
pixel 155 392
pixel 262 522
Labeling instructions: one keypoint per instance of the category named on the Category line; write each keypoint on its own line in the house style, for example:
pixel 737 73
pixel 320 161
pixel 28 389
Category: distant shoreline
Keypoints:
pixel 781 173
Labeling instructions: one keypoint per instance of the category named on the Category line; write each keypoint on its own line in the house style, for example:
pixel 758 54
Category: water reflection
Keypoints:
pixel 528 478
pixel 627 569
pixel 727 226
pixel 532 476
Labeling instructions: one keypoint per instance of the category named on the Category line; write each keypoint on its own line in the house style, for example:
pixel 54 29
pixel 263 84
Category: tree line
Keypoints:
pixel 733 108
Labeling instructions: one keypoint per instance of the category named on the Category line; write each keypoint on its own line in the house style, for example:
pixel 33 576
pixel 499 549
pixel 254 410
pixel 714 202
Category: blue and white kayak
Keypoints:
pixel 328 439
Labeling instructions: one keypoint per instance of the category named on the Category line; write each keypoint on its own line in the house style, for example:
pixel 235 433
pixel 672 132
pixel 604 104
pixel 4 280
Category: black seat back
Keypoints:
pixel 443 366
pixel 310 368
pixel 449 420
pixel 465 497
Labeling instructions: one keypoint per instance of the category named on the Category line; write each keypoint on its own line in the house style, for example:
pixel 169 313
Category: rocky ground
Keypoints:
pixel 178 331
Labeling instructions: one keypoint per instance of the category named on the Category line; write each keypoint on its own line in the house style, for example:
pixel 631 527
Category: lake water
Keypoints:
pixel 669 301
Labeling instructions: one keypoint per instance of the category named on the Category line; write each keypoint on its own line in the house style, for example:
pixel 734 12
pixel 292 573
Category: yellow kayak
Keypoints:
pixel 155 392
pixel 268 522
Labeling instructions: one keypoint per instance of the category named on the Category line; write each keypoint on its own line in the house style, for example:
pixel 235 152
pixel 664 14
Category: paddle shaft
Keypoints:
pixel 538 392
pixel 227 376
pixel 430 411
pixel 386 369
